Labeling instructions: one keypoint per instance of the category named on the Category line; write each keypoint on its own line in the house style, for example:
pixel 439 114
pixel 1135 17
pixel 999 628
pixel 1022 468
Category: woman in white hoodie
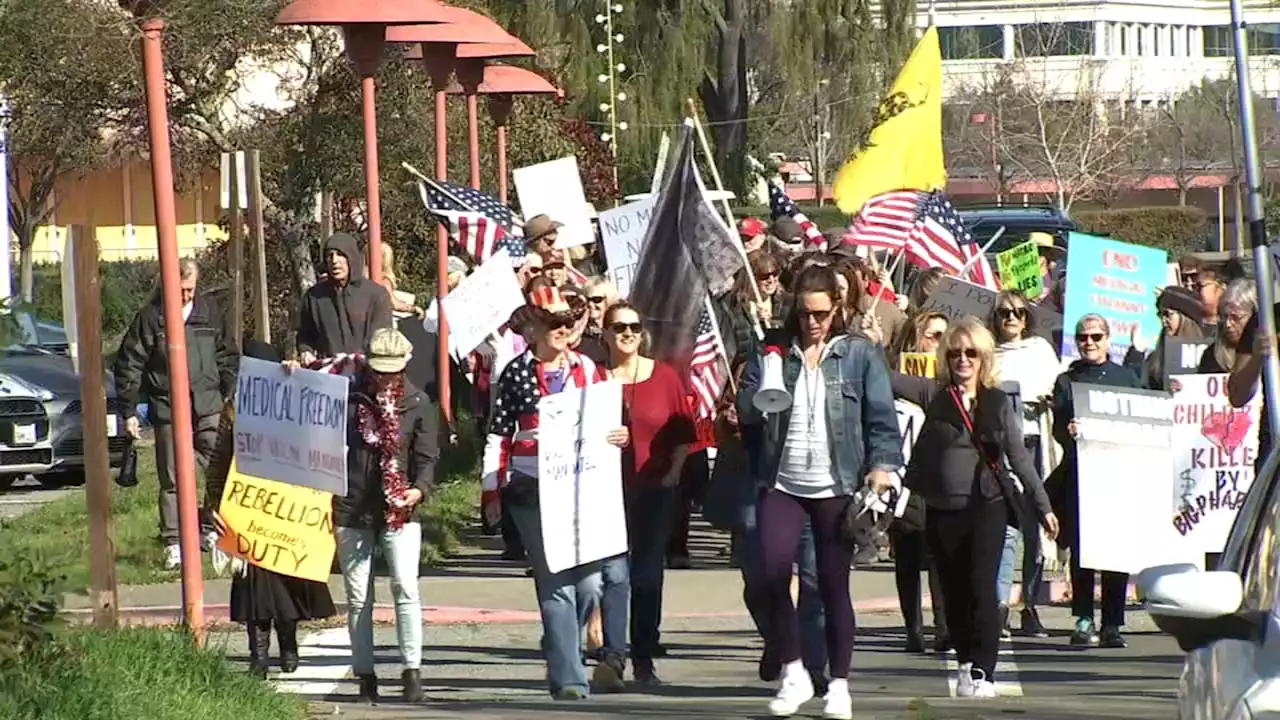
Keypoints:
pixel 1030 361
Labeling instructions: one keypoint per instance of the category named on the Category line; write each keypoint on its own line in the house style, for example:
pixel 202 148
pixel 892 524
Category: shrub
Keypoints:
pixel 1175 229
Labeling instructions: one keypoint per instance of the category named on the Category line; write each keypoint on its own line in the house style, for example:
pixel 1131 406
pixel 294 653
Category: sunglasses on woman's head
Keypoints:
pixel 955 353
pixel 1090 337
pixel 1008 313
pixel 634 328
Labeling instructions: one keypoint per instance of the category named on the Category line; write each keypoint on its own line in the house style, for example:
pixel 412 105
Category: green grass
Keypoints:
pixel 152 673
pixel 56 536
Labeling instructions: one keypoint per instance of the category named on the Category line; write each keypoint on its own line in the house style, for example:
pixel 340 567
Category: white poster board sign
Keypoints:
pixel 622 232
pixel 1125 478
pixel 580 476
pixel 292 427
pixel 481 303
pixel 910 420
pixel 555 189
pixel 956 298
pixel 1214 449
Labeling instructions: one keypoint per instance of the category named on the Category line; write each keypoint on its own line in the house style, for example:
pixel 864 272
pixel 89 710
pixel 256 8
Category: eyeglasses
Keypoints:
pixel 818 316
pixel 553 266
pixel 634 328
pixel 1094 338
pixel 955 353
pixel 1009 313
pixel 560 321
pixel 767 276
pixel 1168 313
pixel 534 271
pixel 597 299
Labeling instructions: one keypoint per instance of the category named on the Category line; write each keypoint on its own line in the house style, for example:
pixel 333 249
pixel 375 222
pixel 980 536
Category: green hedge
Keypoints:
pixel 1176 229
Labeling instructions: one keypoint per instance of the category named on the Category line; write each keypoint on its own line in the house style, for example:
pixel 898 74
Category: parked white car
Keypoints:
pixel 1228 620
pixel 25 444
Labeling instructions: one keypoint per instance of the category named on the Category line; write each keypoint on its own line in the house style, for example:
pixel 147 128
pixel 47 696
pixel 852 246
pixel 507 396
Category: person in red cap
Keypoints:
pixel 754 232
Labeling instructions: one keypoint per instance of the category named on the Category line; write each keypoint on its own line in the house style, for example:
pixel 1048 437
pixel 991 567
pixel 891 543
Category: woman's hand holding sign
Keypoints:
pixel 621 437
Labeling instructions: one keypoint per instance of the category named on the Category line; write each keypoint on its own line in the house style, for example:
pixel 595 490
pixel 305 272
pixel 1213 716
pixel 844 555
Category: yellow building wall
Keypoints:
pixel 119 203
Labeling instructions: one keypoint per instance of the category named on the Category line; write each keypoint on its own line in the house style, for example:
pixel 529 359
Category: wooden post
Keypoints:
pixel 261 302
pixel 235 252
pixel 93 396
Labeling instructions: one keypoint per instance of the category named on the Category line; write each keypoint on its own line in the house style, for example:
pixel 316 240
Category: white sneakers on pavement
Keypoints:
pixel 969 686
pixel 796 690
pixel 172 557
pixel 839 703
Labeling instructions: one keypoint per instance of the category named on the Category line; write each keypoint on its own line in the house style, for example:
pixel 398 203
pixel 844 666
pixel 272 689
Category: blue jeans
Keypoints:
pixel 1004 576
pixel 401 549
pixel 813 623
pixel 649 513
pixel 615 599
pixel 566 601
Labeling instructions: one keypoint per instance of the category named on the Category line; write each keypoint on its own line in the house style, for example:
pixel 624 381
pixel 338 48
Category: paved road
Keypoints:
pixel 27 495
pixel 490 672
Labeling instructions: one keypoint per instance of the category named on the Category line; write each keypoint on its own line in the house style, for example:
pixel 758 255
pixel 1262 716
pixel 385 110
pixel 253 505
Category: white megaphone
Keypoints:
pixel 772 397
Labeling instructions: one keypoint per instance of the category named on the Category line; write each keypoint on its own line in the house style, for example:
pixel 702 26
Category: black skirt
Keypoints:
pixel 262 595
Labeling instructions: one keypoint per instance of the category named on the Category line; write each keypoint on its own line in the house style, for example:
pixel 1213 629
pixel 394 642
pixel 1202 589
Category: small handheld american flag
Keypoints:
pixel 781 205
pixel 478 222
pixel 708 370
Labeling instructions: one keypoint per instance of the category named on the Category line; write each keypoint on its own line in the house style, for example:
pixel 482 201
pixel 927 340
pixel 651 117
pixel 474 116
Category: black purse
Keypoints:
pixel 1010 487
pixel 128 475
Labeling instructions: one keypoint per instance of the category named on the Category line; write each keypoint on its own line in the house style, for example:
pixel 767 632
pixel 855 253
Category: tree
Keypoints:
pixel 724 91
pixel 62 96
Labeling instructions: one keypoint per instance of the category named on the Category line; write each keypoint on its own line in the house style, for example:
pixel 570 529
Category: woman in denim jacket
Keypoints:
pixel 841 432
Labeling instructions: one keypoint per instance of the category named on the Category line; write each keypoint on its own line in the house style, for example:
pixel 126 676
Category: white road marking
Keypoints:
pixel 320 677
pixel 1007 682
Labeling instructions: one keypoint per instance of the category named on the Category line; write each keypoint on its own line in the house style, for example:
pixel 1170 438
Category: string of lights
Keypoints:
pixel 611 78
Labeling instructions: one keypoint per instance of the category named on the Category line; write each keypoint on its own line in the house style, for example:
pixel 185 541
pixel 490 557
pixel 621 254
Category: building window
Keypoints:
pixel 1053 39
pixel 1217 40
pixel 1264 39
pixel 977 42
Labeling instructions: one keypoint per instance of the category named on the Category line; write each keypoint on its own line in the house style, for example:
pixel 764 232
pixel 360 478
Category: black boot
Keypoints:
pixel 915 640
pixel 368 689
pixel 259 648
pixel 288 635
pixel 412 686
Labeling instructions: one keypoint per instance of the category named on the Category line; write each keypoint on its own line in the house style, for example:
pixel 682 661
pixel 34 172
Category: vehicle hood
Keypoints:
pixel 51 372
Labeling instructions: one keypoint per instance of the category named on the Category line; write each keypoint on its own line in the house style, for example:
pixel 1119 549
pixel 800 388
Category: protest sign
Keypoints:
pixel 279 527
pixel 1214 449
pixel 580 476
pixel 555 189
pixel 957 298
pixel 622 233
pixel 1020 269
pixel 481 303
pixel 1124 477
pixel 1182 356
pixel 918 364
pixel 910 421
pixel 1116 280
pixel 292 427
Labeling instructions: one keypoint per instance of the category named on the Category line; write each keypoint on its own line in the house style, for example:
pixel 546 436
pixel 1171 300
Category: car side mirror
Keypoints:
pixel 1198 608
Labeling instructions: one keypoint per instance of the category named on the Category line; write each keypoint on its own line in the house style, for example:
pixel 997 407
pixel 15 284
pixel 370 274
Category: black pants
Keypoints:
pixel 1115 586
pixel 691 490
pixel 966 546
pixel 911 556
pixel 510 535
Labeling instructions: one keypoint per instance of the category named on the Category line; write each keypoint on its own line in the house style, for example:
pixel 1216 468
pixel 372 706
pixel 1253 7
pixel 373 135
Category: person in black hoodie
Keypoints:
pixel 393 448
pixel 1093 340
pixel 340 314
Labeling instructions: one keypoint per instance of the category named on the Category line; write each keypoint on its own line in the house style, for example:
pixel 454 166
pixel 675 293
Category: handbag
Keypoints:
pixel 128 475
pixel 1010 487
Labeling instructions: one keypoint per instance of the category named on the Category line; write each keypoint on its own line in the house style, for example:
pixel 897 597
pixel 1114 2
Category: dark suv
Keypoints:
pixel 1018 221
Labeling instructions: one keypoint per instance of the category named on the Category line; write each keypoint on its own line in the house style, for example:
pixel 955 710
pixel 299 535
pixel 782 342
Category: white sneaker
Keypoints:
pixel 839 703
pixel 172 557
pixel 796 690
pixel 964 680
pixel 982 687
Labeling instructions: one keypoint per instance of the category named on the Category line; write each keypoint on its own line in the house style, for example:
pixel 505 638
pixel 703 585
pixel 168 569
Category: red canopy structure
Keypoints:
pixel 500 83
pixel 471 73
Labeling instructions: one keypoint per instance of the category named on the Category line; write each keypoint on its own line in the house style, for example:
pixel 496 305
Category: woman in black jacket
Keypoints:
pixel 393 447
pixel 958 467
pixel 1093 340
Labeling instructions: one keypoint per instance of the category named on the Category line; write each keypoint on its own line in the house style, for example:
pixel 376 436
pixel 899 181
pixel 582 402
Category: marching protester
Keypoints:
pixel 1181 315
pixel 921 334
pixel 1239 303
pixel 1028 361
pixel 925 285
pixel 1210 284
pixel 1093 340
pixel 958 466
pixel 541 234
pixel 142 373
pixel 340 314
pixel 392 436
pixel 566 599
pixel 601 295
pixel 840 389
pixel 262 599
pixel 1246 374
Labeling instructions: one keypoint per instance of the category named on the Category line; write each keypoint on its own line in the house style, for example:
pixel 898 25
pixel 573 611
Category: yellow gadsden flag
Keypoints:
pixel 903 152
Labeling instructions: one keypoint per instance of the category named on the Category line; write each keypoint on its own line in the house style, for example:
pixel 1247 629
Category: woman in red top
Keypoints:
pixel 655 410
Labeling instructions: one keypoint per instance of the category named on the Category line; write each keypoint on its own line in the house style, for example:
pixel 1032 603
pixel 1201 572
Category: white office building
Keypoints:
pixel 1124 50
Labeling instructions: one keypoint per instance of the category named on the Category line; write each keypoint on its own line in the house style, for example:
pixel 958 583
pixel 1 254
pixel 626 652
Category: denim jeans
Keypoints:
pixel 649 514
pixel 615 603
pixel 402 550
pixel 1004 576
pixel 813 623
pixel 566 601
pixel 1032 560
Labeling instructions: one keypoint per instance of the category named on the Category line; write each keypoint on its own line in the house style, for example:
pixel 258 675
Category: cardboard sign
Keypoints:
pixel 1020 269
pixel 481 303
pixel 555 189
pixel 918 364
pixel 956 298
pixel 622 232
pixel 279 527
pixel 1116 280
pixel 1183 356
pixel 292 427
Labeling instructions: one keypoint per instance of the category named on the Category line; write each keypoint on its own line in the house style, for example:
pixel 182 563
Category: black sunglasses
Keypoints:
pixel 560 321
pixel 771 275
pixel 1007 313
pixel 597 299
pixel 817 315
pixel 955 353
pixel 1095 337
pixel 634 328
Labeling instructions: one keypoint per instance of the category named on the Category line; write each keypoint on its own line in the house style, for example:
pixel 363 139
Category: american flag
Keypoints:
pixel 886 220
pixel 480 224
pixel 707 369
pixel 781 205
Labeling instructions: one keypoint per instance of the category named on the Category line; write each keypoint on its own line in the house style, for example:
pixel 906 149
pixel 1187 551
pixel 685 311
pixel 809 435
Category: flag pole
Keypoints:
pixel 894 266
pixel 968 267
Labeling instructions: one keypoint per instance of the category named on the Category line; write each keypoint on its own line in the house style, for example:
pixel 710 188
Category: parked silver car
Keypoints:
pixel 26 446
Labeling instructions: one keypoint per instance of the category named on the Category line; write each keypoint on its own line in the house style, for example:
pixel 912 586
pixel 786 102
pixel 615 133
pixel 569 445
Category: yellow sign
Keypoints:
pixel 1020 269
pixel 918 364
pixel 279 527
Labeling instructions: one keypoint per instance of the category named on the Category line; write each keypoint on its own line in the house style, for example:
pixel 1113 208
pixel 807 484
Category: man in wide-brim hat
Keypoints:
pixel 541 233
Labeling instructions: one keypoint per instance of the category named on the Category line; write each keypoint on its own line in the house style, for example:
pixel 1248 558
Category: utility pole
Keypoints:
pixel 235 254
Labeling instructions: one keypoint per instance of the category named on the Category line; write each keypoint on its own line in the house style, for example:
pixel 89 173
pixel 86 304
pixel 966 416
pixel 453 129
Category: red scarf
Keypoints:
pixel 379 426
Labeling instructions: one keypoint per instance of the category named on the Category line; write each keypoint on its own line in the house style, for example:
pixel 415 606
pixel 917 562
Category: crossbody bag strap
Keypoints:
pixel 973 435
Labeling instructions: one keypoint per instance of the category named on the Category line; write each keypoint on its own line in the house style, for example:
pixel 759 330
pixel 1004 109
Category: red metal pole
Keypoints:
pixel 502 163
pixel 473 127
pixel 442 252
pixel 174 325
pixel 371 177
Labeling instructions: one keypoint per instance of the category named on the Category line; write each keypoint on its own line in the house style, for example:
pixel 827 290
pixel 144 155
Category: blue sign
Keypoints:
pixel 1116 280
